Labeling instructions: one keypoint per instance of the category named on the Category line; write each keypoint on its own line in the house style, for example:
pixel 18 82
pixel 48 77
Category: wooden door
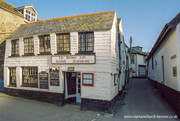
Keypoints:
pixel 71 82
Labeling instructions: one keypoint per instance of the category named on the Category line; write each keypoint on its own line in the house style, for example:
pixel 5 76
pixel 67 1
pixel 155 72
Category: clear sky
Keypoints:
pixel 142 19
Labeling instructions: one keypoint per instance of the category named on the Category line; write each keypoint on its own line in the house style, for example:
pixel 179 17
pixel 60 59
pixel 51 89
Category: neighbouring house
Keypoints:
pixel 68 59
pixel 164 63
pixel 11 18
pixel 137 62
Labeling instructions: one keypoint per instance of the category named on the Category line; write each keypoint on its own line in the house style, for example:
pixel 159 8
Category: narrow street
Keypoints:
pixel 141 100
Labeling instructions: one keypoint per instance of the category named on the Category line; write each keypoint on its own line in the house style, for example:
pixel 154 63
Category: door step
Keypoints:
pixel 73 106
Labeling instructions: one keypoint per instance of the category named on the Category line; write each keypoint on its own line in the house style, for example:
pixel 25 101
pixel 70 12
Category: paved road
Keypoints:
pixel 141 100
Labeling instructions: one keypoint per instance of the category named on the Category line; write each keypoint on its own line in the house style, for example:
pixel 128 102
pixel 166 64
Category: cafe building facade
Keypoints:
pixel 67 59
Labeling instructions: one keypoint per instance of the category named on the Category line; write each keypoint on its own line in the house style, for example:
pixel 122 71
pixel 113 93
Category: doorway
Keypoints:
pixel 73 86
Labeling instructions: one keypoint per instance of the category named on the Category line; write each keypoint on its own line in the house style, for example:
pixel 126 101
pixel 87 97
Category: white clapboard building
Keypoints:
pixel 67 59
pixel 164 63
pixel 137 62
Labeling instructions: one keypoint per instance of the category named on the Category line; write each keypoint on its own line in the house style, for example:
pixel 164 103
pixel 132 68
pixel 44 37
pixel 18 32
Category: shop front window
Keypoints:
pixel 86 42
pixel 30 76
pixel 88 79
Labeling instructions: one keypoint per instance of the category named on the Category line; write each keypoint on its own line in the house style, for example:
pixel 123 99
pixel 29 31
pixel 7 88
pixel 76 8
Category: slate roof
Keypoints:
pixel 133 51
pixel 9 7
pixel 168 27
pixel 81 23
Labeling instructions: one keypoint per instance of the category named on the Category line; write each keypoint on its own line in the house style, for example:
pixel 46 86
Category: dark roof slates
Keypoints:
pixel 91 22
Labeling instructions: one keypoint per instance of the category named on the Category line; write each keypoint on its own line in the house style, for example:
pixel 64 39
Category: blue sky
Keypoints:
pixel 142 19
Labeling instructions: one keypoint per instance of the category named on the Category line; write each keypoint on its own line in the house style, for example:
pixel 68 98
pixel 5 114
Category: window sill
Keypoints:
pixel 63 53
pixel 29 85
pixel 85 53
pixel 31 54
pixel 14 56
pixel 45 53
pixel 12 85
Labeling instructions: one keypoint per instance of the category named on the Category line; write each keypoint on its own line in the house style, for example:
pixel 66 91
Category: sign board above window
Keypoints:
pixel 85 59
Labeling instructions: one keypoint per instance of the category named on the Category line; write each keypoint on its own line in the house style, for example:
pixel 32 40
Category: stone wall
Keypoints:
pixel 8 23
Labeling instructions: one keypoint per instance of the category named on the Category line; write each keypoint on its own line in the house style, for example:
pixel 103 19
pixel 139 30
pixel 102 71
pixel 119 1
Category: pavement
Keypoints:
pixel 141 102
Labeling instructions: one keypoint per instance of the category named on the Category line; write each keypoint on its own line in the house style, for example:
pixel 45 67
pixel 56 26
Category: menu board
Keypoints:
pixel 43 79
pixel 54 77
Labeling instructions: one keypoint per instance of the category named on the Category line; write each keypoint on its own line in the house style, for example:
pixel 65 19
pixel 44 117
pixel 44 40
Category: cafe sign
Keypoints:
pixel 85 59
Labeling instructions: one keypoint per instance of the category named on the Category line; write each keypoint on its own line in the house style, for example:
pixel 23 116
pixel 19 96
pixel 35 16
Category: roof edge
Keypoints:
pixel 12 12
pixel 70 17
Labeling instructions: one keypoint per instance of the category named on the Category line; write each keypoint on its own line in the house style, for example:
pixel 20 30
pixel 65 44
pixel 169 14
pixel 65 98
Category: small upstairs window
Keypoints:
pixel 132 59
pixel 63 43
pixel 86 42
pixel 28 46
pixel 15 48
pixel 45 47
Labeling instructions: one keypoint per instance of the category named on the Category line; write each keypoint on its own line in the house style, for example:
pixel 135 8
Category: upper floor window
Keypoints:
pixel 15 48
pixel 86 42
pixel 45 44
pixel 30 76
pixel 27 11
pixel 63 43
pixel 132 59
pixel 28 46
pixel 28 18
pixel 12 76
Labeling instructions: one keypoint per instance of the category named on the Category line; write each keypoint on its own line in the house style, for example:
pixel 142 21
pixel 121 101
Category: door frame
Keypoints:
pixel 77 95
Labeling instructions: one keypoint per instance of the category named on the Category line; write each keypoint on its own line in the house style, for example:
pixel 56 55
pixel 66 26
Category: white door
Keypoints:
pixel 142 71
pixel 78 88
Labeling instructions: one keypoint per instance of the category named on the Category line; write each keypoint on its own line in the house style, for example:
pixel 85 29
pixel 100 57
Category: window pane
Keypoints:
pixel 45 44
pixel 86 42
pixel 15 47
pixel 30 77
pixel 63 42
pixel 12 79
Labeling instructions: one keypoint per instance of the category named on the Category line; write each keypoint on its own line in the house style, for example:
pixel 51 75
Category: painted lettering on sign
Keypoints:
pixel 73 59
pixel 43 79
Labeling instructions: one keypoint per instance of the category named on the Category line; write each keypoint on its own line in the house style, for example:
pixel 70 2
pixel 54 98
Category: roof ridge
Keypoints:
pixel 70 17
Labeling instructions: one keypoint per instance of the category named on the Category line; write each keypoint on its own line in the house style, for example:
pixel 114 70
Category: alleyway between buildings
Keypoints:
pixel 140 100
pixel 143 102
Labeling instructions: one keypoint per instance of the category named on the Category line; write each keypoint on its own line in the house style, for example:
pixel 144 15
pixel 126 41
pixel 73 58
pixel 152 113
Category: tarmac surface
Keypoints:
pixel 141 102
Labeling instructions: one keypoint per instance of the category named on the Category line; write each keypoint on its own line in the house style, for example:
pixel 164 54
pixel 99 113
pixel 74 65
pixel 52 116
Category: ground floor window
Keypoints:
pixel 88 79
pixel 12 76
pixel 30 76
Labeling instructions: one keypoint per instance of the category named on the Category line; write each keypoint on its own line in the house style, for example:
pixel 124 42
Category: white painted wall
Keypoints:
pixel 138 60
pixel 178 54
pixel 107 63
pixel 168 48
pixel 102 69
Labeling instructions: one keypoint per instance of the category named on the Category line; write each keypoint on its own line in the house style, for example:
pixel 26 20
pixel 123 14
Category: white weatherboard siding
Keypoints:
pixel 102 68
pixel 114 57
pixel 178 53
pixel 168 48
